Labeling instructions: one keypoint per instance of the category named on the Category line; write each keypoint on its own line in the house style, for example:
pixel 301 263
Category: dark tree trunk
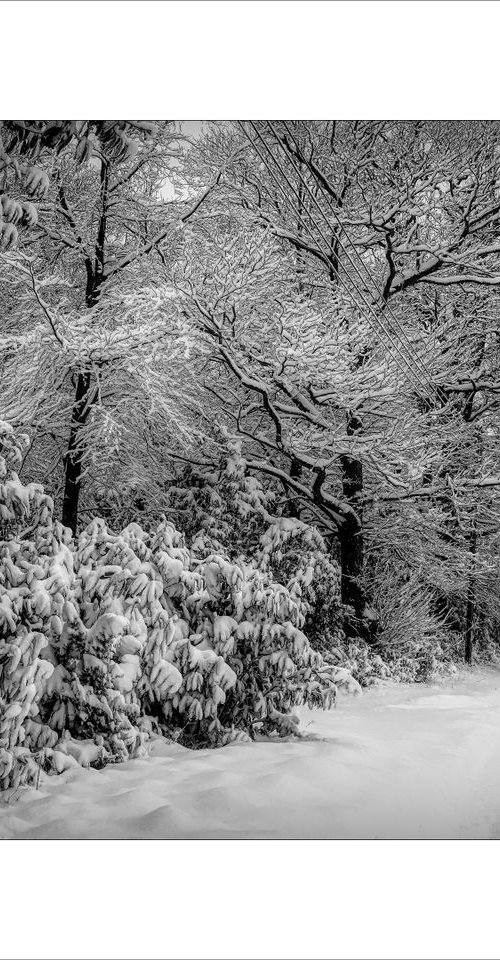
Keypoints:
pixel 351 531
pixel 351 537
pixel 83 401
pixel 73 460
pixel 471 601
pixel 80 413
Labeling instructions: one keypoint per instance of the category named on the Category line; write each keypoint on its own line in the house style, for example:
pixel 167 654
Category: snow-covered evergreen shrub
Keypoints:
pixel 233 507
pixel 231 510
pixel 260 636
pixel 204 645
pixel 223 508
pixel 35 583
pixel 104 640
pixel 298 556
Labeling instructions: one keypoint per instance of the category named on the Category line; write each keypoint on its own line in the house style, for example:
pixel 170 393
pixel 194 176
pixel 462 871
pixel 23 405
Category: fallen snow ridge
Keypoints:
pixel 399 762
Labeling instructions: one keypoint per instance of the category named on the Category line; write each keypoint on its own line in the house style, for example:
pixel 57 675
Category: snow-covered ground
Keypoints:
pixel 400 762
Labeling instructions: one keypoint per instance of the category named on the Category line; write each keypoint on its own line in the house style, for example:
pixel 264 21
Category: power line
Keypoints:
pixel 408 372
pixel 327 258
pixel 468 156
pixel 402 334
pixel 325 194
pixel 317 174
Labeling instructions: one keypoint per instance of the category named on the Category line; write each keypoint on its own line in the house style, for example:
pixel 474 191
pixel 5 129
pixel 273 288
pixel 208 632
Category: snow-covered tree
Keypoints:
pixel 102 222
pixel 392 231
pixel 25 143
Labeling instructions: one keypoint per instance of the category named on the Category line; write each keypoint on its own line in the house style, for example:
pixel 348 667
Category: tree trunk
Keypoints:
pixel 80 413
pixel 73 459
pixel 471 600
pixel 83 402
pixel 351 537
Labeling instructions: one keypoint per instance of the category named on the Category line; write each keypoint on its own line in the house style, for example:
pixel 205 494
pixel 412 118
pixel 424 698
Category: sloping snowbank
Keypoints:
pixel 399 762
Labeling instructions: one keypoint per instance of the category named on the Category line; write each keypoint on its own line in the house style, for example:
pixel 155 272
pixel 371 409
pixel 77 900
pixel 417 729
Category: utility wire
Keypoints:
pixel 327 258
pixel 471 154
pixel 408 372
pixel 402 334
pixel 324 192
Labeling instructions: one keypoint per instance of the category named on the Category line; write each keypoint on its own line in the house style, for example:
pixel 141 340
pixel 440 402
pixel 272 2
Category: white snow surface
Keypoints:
pixel 399 762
